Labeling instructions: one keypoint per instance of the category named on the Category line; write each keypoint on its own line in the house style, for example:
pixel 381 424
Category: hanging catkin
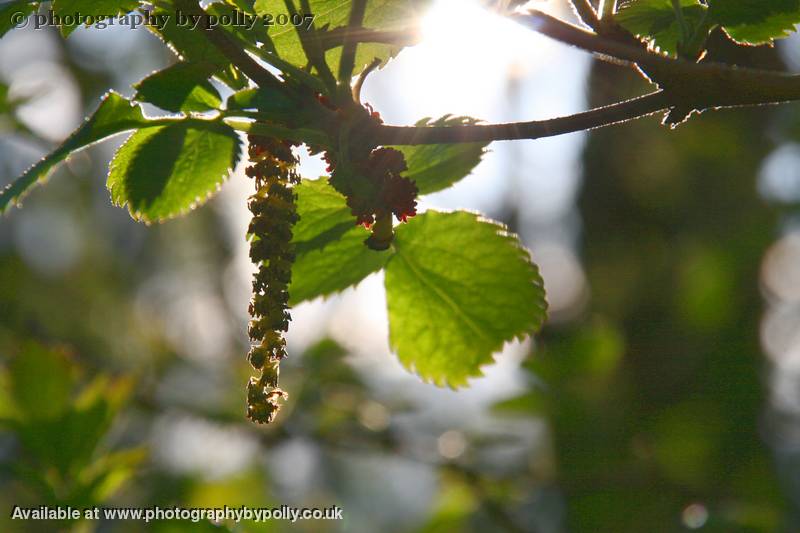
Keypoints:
pixel 274 169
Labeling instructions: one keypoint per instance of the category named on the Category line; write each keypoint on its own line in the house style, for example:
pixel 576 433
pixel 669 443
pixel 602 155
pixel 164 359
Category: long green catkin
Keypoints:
pixel 274 169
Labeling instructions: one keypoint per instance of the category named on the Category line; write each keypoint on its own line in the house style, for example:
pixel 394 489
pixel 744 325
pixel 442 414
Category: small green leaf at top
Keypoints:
pixel 438 166
pixel 182 87
pixel 245 6
pixel 756 21
pixel 96 9
pixel 332 14
pixel 165 171
pixel 458 287
pixel 9 11
pixel 250 31
pixel 115 115
pixel 192 46
pixel 656 22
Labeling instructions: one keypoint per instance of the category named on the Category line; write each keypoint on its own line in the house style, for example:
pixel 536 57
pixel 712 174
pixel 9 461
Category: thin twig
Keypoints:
pixel 586 13
pixel 596 118
pixel 269 128
pixel 607 9
pixel 591 42
pixel 348 60
pixel 362 78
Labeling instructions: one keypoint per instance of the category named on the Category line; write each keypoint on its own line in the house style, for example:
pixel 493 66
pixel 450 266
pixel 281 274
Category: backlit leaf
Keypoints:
pixel 457 288
pixel 181 87
pixel 756 21
pixel 331 255
pixel 114 115
pixel 164 171
pixel 438 166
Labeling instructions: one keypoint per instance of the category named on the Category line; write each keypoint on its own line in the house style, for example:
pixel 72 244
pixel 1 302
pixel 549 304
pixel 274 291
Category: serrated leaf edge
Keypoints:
pixel 15 200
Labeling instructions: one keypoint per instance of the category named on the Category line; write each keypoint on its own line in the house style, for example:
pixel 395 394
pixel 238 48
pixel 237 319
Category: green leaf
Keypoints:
pixel 9 10
pixel 438 166
pixel 332 14
pixel 187 44
pixel 164 171
pixel 531 403
pixel 269 101
pixel 323 213
pixel 331 255
pixel 192 46
pixel 69 441
pixel 256 40
pixel 90 418
pixel 6 106
pixel 181 87
pixel 657 22
pixel 756 21
pixel 336 266
pixel 112 471
pixel 246 6
pixel 457 288
pixel 97 9
pixel 241 30
pixel 40 381
pixel 114 115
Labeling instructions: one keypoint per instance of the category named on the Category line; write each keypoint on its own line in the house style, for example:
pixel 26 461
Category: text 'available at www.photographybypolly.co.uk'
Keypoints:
pixel 193 514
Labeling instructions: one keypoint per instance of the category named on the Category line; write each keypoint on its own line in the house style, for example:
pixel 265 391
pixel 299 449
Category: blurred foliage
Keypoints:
pixel 655 401
pixel 59 433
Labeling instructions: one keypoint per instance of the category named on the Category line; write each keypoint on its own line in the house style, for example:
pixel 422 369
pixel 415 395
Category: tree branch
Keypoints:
pixel 270 129
pixel 596 118
pixel 570 34
pixel 685 85
pixel 696 85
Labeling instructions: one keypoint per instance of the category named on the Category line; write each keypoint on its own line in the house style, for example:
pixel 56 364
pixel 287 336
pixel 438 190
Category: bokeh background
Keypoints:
pixel 663 394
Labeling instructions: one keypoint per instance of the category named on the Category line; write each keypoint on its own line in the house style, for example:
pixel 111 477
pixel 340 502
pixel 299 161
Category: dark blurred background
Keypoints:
pixel 663 395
